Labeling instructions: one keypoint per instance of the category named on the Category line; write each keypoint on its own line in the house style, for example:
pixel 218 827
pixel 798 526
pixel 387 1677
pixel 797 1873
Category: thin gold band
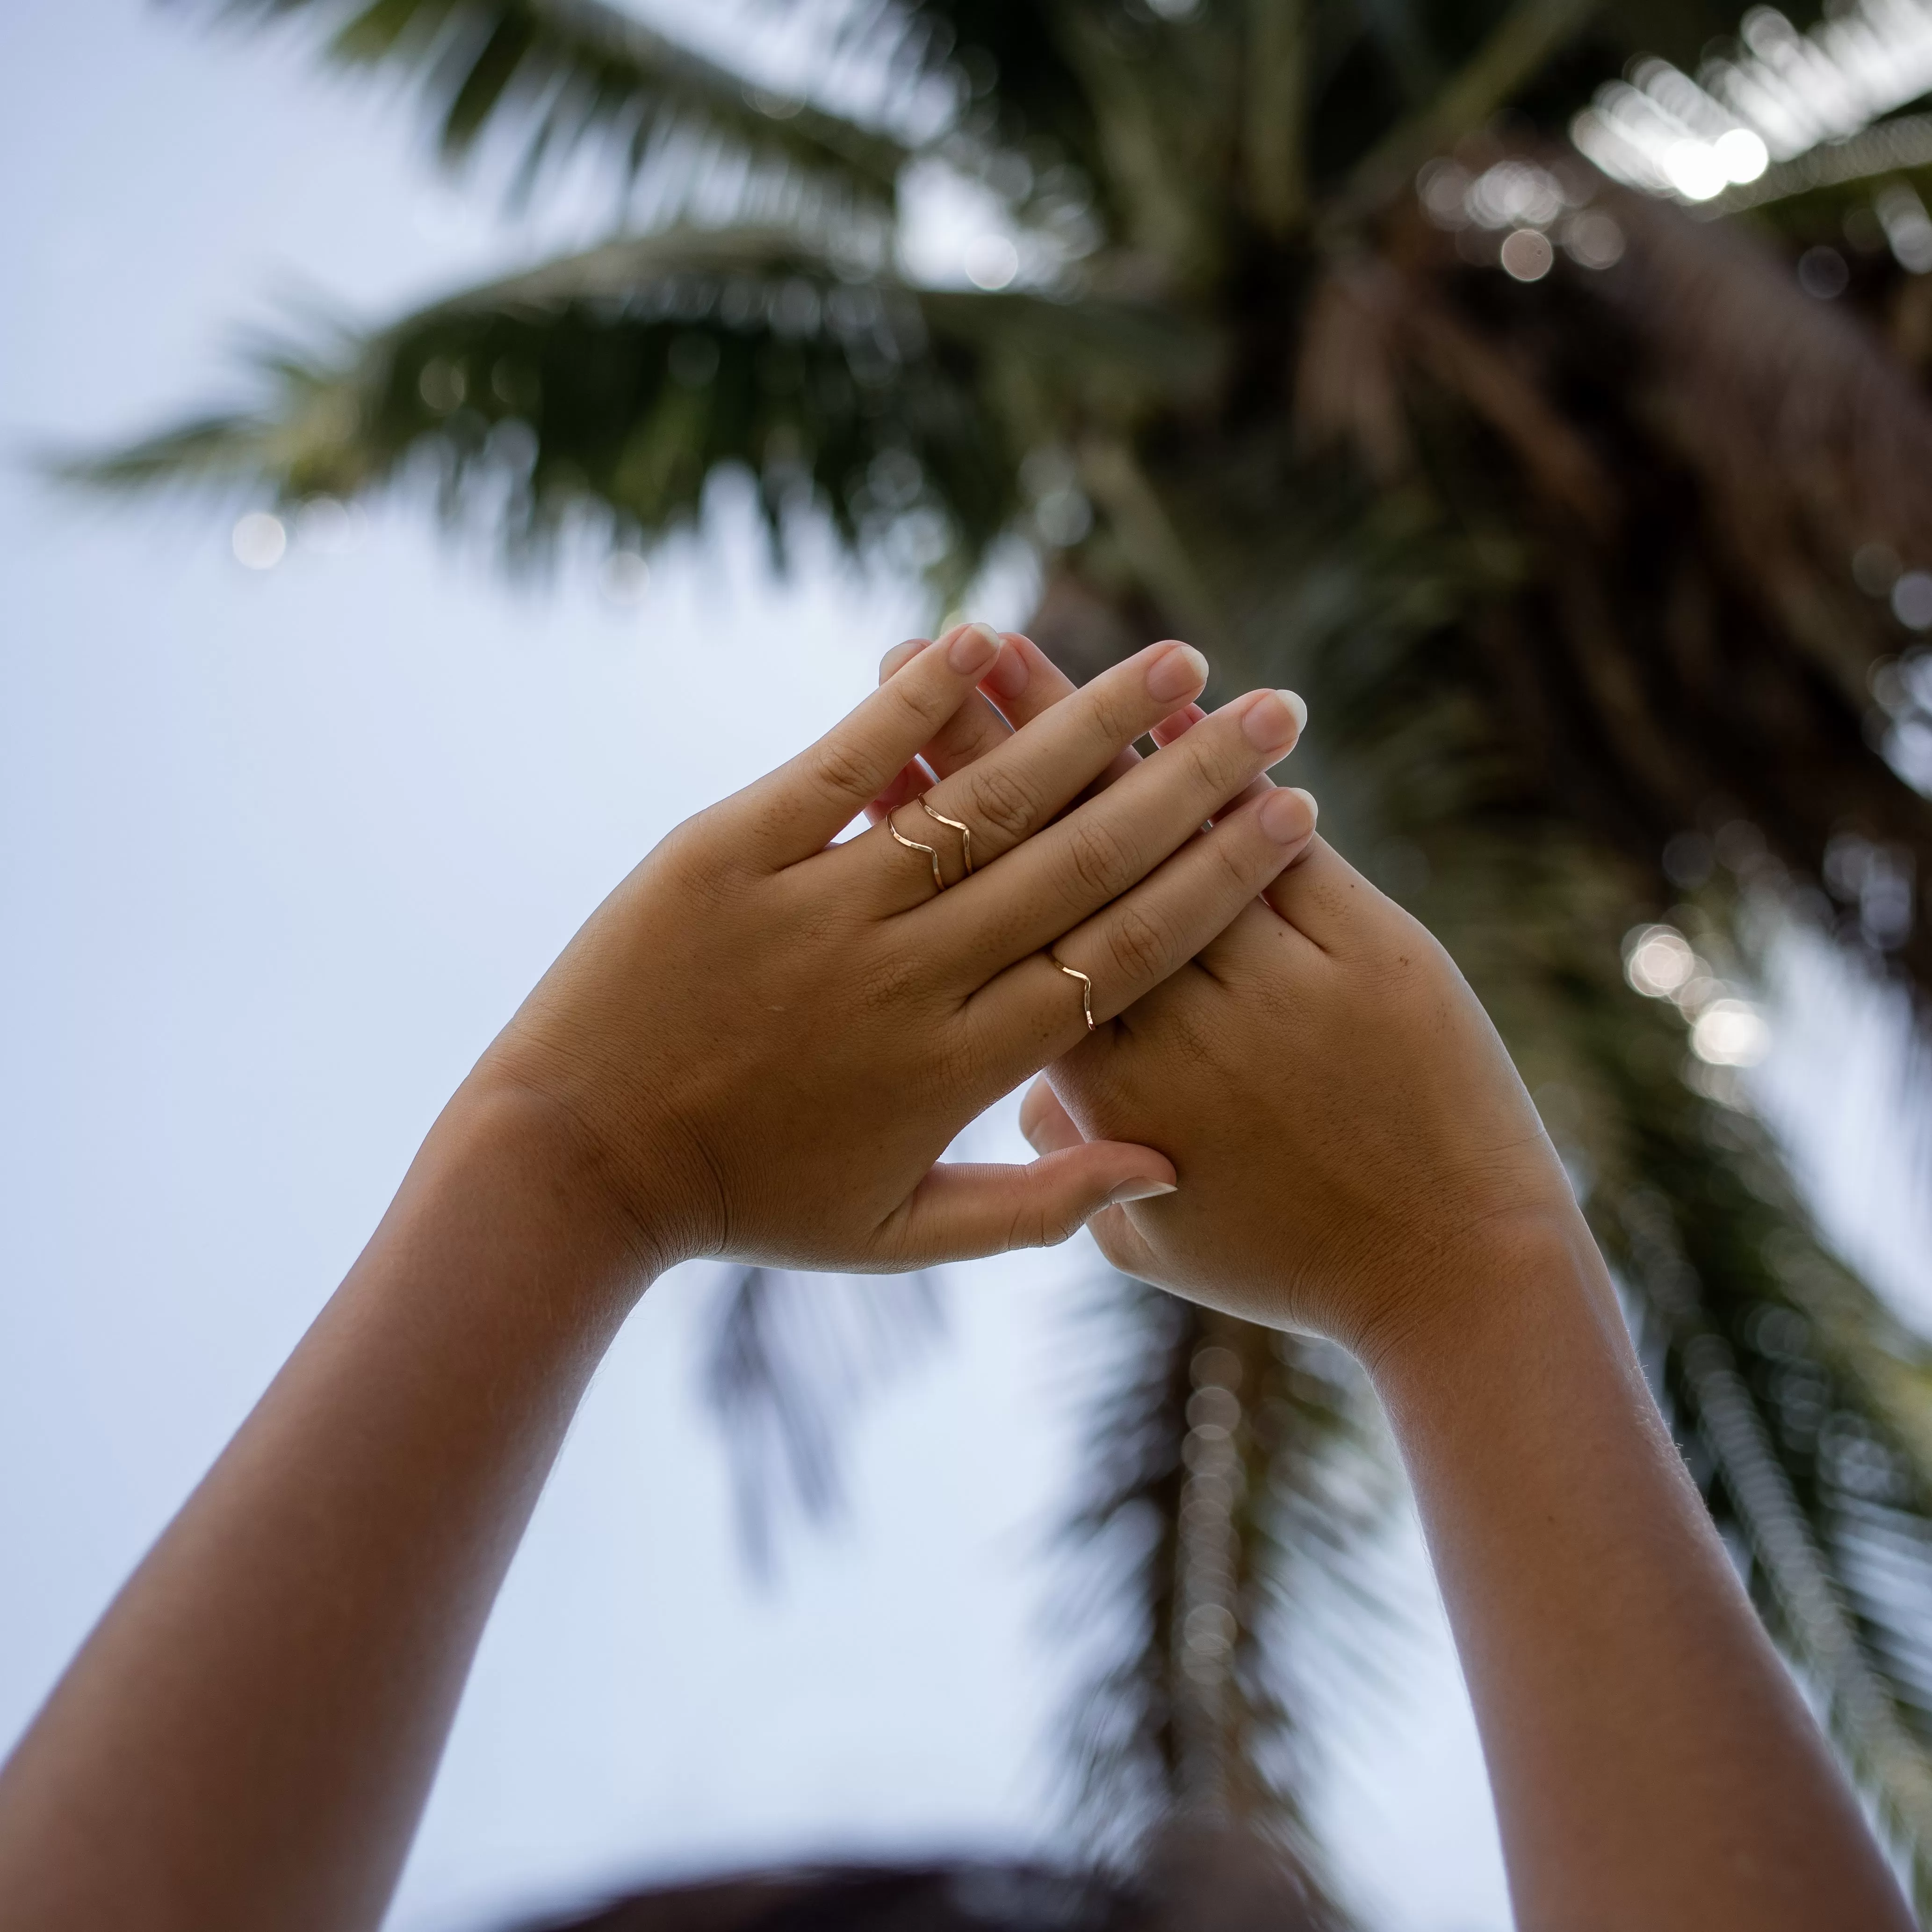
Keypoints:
pixel 965 832
pixel 913 845
pixel 1086 989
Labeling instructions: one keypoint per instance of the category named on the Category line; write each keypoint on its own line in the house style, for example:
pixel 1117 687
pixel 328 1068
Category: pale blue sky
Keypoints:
pixel 278 854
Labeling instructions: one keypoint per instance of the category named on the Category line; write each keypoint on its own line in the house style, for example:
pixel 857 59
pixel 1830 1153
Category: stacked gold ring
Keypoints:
pixel 913 845
pixel 932 852
pixel 965 832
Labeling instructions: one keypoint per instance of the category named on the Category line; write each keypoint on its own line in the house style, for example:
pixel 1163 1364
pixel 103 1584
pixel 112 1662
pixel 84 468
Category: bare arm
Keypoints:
pixel 248 1737
pixel 1653 1765
pixel 759 1046
pixel 1357 1155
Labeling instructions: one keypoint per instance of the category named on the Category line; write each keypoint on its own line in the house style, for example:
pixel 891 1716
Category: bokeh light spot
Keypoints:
pixel 1658 960
pixel 1730 1032
pixel 259 541
pixel 1822 273
pixel 992 261
pixel 1912 600
pixel 1527 254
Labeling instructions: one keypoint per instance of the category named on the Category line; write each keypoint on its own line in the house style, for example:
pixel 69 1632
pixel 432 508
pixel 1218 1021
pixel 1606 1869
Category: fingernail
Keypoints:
pixel 1008 677
pixel 1272 722
pixel 1139 1190
pixel 973 650
pixel 1181 673
pixel 1298 705
pixel 1288 816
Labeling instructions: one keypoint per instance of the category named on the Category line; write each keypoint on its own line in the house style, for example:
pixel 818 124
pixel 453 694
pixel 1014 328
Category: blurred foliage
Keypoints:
pixel 1565 566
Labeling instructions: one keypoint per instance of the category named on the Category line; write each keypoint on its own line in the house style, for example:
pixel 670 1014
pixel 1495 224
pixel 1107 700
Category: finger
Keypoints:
pixel 1026 681
pixel 962 1209
pixel 1048 1127
pixel 896 659
pixel 797 809
pixel 1072 869
pixel 1021 785
pixel 912 780
pixel 1248 938
pixel 1322 895
pixel 1183 721
pixel 1039 1008
pixel 975 729
pixel 1170 730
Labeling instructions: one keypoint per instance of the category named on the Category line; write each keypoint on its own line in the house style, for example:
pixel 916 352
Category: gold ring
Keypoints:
pixel 1086 989
pixel 913 845
pixel 965 832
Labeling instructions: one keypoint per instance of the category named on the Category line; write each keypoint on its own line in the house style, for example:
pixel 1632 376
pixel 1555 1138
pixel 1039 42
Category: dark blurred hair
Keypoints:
pixel 1195 1881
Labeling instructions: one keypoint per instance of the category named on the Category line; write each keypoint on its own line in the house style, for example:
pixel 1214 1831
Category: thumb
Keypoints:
pixel 964 1209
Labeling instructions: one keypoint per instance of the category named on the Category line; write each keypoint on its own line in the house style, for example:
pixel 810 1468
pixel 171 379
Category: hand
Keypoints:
pixel 1342 1118
pixel 765 1041
pixel 1351 1139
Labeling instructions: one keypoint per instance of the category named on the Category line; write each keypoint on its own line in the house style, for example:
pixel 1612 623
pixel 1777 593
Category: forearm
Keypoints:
pixel 247 1738
pixel 1652 1763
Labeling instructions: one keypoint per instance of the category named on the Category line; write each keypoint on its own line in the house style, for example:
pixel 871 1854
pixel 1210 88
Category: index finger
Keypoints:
pixel 798 809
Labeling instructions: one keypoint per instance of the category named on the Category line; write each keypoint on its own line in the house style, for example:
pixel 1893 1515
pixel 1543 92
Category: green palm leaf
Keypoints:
pixel 624 378
pixel 554 73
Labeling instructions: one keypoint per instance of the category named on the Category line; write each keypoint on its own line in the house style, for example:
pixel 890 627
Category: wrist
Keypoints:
pixel 1484 1293
pixel 508 1154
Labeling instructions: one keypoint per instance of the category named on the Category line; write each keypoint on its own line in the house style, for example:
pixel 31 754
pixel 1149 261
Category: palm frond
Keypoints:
pixel 553 74
pixel 1232 1486
pixel 1694 650
pixel 787 1363
pixel 1516 48
pixel 618 382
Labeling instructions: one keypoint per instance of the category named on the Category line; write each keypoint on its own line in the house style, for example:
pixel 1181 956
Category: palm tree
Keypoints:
pixel 1573 510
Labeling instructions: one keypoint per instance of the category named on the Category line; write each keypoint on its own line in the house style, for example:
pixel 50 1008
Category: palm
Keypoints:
pixel 1552 563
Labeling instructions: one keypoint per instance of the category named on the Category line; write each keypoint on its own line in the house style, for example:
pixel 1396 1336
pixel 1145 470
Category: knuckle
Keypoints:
pixel 699 867
pixel 1099 858
pixel 1035 1224
pixel 1118 708
pixel 1140 943
pixel 1004 802
pixel 839 768
pixel 1220 759
pixel 1237 861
